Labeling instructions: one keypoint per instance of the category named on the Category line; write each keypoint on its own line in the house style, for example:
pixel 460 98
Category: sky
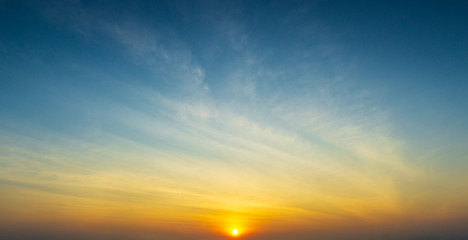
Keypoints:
pixel 188 119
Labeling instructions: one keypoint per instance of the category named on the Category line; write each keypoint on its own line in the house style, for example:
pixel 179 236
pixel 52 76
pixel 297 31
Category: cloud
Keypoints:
pixel 171 64
pixel 269 142
pixel 314 136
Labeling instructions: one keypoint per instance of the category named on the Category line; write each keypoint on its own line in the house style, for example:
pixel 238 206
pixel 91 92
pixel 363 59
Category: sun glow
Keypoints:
pixel 235 232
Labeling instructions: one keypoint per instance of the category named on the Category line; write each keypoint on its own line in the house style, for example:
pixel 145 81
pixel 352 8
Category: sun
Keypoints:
pixel 235 231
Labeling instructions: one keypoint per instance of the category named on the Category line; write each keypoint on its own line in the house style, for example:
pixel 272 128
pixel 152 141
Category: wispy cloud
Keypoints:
pixel 266 140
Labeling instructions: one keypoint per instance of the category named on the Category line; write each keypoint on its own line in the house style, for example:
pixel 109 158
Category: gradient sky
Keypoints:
pixel 185 119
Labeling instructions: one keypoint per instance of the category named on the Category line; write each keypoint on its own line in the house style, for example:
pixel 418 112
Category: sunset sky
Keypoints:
pixel 286 120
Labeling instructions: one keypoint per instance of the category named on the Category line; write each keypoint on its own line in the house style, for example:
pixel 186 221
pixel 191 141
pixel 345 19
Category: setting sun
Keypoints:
pixel 235 231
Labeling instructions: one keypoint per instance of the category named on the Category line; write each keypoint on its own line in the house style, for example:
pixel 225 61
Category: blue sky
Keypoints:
pixel 265 114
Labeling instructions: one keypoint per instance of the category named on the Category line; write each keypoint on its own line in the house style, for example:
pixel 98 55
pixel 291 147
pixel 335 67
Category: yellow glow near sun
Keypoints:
pixel 235 231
